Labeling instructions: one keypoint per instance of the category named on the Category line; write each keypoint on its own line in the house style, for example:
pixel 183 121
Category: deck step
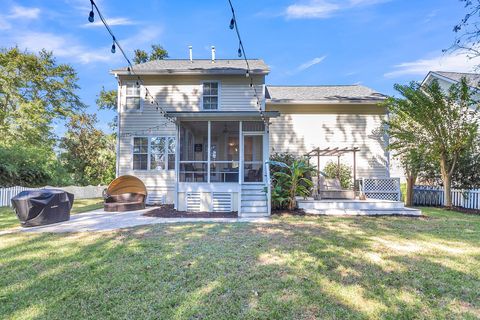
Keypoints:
pixel 254 197
pixel 256 203
pixel 254 209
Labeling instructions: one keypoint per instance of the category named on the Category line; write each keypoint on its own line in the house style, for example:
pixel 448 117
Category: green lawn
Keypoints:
pixel 8 219
pixel 294 268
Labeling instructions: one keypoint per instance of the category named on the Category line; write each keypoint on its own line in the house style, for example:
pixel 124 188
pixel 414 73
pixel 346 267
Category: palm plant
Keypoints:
pixel 294 180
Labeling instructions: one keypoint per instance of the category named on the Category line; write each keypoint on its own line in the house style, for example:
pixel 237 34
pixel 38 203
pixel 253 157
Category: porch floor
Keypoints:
pixel 373 207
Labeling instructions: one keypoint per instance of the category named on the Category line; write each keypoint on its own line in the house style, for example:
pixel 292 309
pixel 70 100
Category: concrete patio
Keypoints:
pixel 99 220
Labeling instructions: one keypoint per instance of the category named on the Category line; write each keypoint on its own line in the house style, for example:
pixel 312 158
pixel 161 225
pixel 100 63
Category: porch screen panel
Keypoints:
pixel 193 151
pixel 253 158
pixel 224 151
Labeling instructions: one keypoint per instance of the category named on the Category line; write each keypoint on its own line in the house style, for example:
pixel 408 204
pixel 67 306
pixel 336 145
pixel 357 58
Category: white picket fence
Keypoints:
pixel 87 192
pixel 429 196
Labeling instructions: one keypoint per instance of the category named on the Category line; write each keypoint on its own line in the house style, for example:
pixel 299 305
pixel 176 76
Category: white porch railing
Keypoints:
pixel 381 188
pixel 269 191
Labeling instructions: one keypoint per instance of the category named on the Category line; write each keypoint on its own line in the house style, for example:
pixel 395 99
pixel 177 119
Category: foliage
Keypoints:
pixel 294 181
pixel 466 176
pixel 107 100
pixel 279 193
pixel 30 166
pixel 468 30
pixel 331 171
pixel 34 92
pixel 442 125
pixel 156 53
pixel 414 162
pixel 88 153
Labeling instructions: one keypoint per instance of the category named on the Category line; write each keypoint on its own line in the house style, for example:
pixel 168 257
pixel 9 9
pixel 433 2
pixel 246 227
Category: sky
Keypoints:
pixel 376 43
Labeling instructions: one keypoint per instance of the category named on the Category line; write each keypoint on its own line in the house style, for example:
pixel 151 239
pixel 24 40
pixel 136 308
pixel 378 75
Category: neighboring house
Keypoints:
pixel 214 156
pixel 446 79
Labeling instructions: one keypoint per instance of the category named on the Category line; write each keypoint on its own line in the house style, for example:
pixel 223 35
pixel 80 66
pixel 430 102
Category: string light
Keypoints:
pixel 241 52
pixel 91 15
pixel 130 67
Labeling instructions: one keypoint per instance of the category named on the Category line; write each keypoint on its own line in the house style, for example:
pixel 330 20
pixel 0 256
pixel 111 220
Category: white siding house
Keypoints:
pixel 212 156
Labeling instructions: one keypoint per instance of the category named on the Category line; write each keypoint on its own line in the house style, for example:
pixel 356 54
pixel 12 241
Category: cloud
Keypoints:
pixel 457 61
pixel 111 22
pixel 321 9
pixel 310 63
pixel 62 46
pixel 24 12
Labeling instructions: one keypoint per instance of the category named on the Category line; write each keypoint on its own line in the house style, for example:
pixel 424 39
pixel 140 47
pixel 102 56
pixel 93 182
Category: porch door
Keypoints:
pixel 253 157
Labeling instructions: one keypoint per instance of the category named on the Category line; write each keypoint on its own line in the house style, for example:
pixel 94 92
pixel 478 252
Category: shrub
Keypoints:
pixel 331 171
pixel 290 181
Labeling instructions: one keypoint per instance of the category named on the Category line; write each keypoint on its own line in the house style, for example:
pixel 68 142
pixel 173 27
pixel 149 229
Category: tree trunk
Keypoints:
pixel 411 179
pixel 447 183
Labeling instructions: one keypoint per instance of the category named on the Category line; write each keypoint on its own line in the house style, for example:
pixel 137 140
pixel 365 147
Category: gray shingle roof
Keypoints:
pixel 198 66
pixel 473 79
pixel 309 94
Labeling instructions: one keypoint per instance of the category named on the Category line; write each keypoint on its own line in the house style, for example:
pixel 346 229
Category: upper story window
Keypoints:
pixel 132 101
pixel 210 95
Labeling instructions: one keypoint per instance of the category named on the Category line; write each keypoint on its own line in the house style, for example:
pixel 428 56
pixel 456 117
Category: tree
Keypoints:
pixel 156 53
pixel 35 91
pixel 141 56
pixel 413 162
pixel 88 153
pixel 30 166
pixel 107 100
pixel 468 30
pixel 441 125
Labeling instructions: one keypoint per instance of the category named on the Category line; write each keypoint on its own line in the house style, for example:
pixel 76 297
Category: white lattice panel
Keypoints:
pixel 383 189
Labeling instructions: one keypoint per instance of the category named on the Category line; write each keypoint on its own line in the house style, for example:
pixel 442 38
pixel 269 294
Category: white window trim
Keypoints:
pixel 142 94
pixel 218 94
pixel 149 152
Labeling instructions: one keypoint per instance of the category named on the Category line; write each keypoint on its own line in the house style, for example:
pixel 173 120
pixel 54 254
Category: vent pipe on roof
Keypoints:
pixel 213 54
pixel 191 53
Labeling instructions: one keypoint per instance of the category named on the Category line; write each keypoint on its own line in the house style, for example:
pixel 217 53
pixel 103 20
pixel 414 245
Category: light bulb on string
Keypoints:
pixel 232 23
pixel 113 48
pixel 91 16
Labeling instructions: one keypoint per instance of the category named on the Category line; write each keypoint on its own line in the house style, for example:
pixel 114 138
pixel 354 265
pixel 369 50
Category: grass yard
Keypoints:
pixel 8 219
pixel 294 268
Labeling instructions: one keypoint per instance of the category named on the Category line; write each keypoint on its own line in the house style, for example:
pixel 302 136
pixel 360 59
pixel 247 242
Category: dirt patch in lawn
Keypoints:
pixel 167 211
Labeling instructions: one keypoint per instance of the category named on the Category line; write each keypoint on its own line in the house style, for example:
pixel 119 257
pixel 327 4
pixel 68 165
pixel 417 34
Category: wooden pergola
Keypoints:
pixel 334 152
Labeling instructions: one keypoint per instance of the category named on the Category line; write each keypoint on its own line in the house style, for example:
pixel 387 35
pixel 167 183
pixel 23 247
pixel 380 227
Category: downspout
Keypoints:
pixel 117 160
